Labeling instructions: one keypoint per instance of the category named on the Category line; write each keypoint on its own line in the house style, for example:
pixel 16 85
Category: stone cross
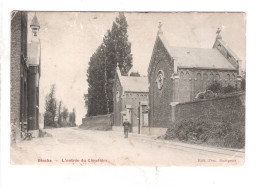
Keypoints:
pixel 160 28
pixel 218 31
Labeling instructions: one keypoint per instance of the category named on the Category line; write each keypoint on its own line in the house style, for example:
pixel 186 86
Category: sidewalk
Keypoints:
pixel 202 149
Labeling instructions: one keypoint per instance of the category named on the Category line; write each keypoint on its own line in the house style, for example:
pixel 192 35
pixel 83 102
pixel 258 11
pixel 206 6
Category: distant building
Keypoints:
pixel 25 74
pixel 178 74
pixel 130 96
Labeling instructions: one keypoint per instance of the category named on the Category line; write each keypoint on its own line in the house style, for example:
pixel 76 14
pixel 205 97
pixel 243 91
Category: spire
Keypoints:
pixel 35 26
pixel 218 34
pixel 160 29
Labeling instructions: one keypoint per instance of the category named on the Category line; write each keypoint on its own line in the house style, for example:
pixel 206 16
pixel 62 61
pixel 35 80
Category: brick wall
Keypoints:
pixel 193 81
pixel 230 108
pixel 159 100
pixel 133 99
pixel 101 122
pixel 18 65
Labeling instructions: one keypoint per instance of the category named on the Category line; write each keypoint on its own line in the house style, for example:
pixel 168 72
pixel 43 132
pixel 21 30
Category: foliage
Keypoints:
pixel 65 113
pixel 221 134
pixel 50 107
pixel 217 87
pixel 48 120
pixel 72 116
pixel 135 74
pixel 59 111
pixel 56 116
pixel 114 50
pixel 85 97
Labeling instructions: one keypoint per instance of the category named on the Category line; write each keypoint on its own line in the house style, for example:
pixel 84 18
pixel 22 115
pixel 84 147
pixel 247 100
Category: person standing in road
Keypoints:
pixel 126 125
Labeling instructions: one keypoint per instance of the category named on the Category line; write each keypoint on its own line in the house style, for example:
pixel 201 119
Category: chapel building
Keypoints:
pixel 130 96
pixel 179 74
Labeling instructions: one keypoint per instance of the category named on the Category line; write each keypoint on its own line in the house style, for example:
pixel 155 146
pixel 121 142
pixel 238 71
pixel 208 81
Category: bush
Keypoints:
pixel 48 120
pixel 198 131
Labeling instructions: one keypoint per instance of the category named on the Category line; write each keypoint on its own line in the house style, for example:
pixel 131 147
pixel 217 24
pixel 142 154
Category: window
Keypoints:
pixel 198 76
pixel 217 77
pixel 205 76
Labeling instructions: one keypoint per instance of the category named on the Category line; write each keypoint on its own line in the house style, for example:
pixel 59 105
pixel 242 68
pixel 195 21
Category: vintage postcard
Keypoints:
pixel 128 88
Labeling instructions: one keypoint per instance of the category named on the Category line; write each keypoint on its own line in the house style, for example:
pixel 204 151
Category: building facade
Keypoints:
pixel 25 74
pixel 179 74
pixel 130 96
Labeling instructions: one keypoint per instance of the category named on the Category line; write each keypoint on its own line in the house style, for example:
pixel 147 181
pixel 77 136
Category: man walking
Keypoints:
pixel 126 125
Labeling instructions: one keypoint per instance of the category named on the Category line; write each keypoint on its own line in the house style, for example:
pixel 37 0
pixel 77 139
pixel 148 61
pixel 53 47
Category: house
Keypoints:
pixel 25 74
pixel 130 96
pixel 179 74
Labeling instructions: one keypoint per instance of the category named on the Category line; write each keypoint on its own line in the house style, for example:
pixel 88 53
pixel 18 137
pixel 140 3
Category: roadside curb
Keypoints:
pixel 183 146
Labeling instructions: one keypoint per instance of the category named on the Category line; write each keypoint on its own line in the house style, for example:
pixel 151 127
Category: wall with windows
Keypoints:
pixel 194 81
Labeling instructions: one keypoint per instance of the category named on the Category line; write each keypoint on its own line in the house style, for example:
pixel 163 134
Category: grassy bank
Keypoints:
pixel 198 131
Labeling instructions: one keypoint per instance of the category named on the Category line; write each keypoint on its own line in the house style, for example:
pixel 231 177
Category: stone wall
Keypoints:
pixel 229 108
pixel 101 122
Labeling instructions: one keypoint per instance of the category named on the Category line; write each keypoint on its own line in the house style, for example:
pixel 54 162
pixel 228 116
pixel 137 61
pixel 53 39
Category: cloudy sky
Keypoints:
pixel 68 40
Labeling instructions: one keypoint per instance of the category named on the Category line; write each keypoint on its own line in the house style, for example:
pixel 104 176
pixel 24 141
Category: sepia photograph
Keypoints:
pixel 127 88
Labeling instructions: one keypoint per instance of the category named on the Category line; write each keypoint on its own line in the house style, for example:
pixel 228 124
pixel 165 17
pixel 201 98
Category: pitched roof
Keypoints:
pixel 228 49
pixel 133 84
pixel 209 58
pixel 200 58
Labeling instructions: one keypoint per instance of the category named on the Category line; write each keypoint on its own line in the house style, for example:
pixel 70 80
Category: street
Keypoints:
pixel 75 146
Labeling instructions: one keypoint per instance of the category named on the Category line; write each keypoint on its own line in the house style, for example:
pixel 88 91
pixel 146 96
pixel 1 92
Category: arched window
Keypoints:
pixel 232 77
pixel 117 96
pixel 228 77
pixel 187 76
pixel 211 76
pixel 205 76
pixel 198 76
pixel 182 75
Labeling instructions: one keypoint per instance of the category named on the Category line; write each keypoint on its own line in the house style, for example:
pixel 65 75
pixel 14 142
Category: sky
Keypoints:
pixel 68 40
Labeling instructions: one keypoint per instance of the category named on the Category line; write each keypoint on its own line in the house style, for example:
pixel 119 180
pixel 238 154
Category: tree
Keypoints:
pixel 114 51
pixel 50 107
pixel 72 117
pixel 59 112
pixel 135 74
pixel 65 113
pixel 217 87
pixel 85 97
